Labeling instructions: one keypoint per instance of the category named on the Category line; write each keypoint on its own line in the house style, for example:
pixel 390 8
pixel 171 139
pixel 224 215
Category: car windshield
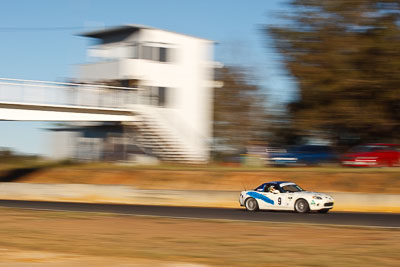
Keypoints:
pixel 260 188
pixel 297 149
pixel 308 149
pixel 368 148
pixel 292 188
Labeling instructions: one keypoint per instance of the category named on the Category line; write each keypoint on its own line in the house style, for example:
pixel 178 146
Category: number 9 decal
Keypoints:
pixel 279 201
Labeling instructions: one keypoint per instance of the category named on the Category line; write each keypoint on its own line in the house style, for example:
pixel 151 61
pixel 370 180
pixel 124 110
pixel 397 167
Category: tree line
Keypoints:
pixel 345 57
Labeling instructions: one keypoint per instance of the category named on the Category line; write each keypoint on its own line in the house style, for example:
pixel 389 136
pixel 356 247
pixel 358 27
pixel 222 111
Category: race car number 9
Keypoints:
pixel 279 201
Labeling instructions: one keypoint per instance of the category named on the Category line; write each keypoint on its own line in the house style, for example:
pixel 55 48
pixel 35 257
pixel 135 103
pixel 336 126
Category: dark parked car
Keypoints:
pixel 304 155
pixel 373 155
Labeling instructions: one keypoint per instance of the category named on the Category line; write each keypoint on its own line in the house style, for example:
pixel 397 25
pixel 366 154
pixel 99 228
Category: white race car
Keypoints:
pixel 285 196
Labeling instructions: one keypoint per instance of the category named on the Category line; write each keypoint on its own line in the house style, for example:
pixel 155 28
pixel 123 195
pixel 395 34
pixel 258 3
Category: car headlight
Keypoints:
pixel 317 197
pixel 365 158
pixel 280 158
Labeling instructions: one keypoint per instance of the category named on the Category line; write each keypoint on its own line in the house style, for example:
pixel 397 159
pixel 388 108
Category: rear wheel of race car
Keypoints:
pixel 251 204
pixel 301 206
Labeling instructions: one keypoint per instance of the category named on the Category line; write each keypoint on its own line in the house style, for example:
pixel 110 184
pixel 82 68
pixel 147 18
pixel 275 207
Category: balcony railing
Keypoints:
pixel 67 94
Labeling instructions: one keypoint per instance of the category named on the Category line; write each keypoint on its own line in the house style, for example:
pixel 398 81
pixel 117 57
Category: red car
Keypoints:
pixel 373 155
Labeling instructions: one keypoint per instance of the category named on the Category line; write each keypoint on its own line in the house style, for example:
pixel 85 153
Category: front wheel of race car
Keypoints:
pixel 251 204
pixel 301 206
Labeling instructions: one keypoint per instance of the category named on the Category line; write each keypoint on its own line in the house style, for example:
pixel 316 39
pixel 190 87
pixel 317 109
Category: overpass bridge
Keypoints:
pixel 31 100
pixel 28 100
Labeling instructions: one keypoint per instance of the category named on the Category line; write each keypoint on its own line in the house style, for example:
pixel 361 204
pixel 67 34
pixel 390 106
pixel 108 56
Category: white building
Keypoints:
pixel 172 76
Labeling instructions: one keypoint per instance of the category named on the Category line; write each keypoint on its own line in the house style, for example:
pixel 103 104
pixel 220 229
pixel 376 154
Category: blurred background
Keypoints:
pixel 290 83
pixel 164 106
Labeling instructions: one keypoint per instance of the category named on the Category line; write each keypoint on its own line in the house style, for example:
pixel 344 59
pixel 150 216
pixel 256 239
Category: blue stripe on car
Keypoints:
pixel 260 196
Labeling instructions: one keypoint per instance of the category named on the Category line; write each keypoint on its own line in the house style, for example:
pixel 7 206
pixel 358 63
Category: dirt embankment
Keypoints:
pixel 315 179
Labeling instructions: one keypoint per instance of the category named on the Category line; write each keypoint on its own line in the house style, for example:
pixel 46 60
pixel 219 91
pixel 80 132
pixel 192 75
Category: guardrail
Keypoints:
pixel 68 94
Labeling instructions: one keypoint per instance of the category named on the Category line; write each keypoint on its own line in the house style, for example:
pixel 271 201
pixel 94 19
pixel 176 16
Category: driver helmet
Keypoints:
pixel 271 188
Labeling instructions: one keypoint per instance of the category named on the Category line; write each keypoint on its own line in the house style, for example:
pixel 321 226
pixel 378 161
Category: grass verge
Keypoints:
pixel 324 179
pixel 219 243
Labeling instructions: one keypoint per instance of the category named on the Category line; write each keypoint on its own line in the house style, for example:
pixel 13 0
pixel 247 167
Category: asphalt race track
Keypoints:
pixel 331 218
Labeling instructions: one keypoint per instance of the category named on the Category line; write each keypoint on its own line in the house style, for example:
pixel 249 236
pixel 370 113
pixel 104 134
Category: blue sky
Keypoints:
pixel 51 54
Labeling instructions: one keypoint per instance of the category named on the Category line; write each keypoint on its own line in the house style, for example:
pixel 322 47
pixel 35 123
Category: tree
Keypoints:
pixel 238 110
pixel 345 55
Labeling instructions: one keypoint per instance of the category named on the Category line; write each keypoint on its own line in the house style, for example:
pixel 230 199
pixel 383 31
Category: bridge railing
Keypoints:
pixel 66 94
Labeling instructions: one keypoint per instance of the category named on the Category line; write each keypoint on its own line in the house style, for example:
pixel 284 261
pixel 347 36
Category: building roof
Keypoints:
pixel 113 30
pixel 128 28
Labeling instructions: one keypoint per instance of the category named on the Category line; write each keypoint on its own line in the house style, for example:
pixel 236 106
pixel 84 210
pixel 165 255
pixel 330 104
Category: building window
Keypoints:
pixel 147 52
pixel 134 51
pixel 163 54
pixel 155 96
pixel 160 54
pixel 132 83
pixel 125 83
pixel 162 91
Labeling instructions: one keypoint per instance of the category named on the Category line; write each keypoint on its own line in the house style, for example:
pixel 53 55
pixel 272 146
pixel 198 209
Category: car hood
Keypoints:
pixel 285 155
pixel 359 154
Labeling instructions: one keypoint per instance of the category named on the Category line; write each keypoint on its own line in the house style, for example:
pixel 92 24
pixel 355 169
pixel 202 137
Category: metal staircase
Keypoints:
pixel 156 138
